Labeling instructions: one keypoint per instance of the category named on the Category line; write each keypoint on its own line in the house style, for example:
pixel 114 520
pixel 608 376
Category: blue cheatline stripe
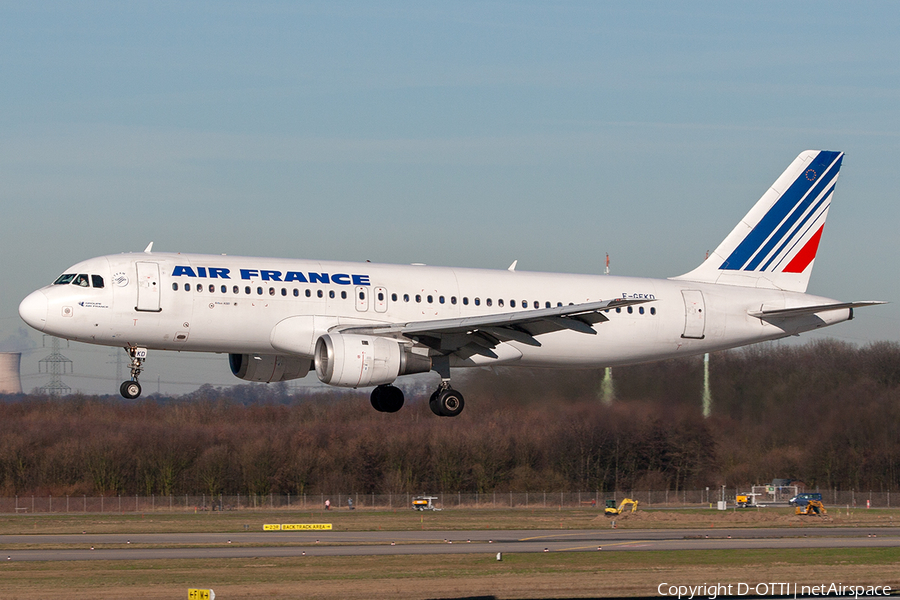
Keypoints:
pixel 799 227
pixel 822 181
pixel 788 200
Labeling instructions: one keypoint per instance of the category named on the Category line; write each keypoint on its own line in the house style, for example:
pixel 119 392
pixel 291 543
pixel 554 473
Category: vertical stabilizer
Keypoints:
pixel 775 244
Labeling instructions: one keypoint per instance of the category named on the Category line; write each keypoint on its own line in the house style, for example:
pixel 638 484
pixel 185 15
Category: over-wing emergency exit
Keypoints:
pixel 364 324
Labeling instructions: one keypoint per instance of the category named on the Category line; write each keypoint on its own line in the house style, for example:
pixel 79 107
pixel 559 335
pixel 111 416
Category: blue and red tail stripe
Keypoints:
pixel 789 221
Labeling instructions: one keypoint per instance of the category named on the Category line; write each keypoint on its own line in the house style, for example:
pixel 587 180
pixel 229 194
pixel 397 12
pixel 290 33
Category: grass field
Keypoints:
pixel 439 576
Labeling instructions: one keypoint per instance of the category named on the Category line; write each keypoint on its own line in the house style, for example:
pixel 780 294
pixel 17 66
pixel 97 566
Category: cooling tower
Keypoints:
pixel 9 373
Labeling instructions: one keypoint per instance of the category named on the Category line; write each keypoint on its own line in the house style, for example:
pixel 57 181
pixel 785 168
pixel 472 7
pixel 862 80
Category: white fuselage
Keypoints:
pixel 230 304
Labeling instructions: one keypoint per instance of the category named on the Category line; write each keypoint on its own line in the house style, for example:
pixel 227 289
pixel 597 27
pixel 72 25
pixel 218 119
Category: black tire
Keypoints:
pixel 387 398
pixel 433 404
pixel 450 402
pixel 130 389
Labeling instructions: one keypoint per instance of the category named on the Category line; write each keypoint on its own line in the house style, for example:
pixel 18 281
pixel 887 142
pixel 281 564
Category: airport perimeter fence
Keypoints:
pixel 489 500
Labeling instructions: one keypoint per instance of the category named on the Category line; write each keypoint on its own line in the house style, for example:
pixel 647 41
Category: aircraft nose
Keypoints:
pixel 33 310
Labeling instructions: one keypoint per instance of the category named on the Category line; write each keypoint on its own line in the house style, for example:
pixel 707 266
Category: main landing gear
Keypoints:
pixel 387 398
pixel 131 389
pixel 446 402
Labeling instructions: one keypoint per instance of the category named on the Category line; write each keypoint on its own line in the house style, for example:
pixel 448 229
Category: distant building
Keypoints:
pixel 10 383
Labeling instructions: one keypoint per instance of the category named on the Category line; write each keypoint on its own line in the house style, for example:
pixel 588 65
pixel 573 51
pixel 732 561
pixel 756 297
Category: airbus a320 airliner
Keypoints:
pixel 365 324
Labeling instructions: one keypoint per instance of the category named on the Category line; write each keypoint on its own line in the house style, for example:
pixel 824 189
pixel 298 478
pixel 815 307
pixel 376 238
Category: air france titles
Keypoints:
pixel 266 275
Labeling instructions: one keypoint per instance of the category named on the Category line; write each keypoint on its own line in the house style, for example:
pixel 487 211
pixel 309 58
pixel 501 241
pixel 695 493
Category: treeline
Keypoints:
pixel 826 413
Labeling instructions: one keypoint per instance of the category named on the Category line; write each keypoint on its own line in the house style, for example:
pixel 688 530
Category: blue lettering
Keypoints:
pixel 183 271
pixel 361 280
pixel 270 275
pixel 295 276
pixel 340 279
pixel 318 278
pixel 249 273
pixel 201 271
pixel 219 273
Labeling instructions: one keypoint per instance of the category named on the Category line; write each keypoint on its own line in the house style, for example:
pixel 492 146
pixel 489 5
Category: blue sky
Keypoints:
pixel 466 134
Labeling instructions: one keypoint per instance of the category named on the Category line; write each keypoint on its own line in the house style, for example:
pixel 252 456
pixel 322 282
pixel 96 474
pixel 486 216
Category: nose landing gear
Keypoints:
pixel 132 389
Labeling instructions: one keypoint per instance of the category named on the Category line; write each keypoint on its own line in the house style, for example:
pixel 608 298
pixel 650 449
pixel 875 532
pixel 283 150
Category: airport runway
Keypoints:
pixel 335 543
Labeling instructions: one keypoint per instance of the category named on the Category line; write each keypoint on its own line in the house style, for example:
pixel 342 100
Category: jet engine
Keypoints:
pixel 268 367
pixel 349 360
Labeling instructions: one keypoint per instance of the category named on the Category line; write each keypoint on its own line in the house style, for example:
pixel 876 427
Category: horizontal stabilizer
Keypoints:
pixel 800 311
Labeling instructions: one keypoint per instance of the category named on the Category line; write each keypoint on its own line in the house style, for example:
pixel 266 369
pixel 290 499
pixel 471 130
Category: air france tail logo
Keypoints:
pixel 787 237
pixel 269 275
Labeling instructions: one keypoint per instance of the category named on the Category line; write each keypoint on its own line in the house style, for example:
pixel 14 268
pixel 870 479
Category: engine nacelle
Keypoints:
pixel 268 367
pixel 349 360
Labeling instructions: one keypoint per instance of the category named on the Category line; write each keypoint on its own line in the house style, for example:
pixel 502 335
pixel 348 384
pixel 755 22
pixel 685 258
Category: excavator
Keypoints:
pixel 611 509
pixel 812 507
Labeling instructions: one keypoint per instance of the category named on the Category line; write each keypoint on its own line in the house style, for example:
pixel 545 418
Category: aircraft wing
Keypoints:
pixel 800 311
pixel 478 335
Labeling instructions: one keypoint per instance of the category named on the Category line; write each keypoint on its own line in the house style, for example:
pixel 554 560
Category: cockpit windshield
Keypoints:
pixel 81 280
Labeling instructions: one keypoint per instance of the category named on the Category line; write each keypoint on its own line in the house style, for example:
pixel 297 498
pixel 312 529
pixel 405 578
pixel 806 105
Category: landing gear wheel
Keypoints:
pixel 446 402
pixel 387 398
pixel 130 389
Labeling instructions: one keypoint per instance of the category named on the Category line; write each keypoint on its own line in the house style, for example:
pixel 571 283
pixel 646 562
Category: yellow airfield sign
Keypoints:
pixel 198 594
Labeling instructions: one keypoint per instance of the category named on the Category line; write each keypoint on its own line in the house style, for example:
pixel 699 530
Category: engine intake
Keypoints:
pixel 268 367
pixel 349 360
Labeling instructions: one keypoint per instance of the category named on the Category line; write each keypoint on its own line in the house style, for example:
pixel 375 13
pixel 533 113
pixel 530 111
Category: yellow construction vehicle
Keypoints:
pixel 812 507
pixel 611 509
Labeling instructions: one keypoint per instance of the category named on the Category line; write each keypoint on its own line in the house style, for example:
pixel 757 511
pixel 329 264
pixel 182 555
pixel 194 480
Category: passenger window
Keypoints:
pixel 320 294
pixel 559 304
pixel 618 309
pixel 175 286
pixel 630 310
pixel 64 279
pixel 393 297
pixel 500 302
pixel 381 296
pixel 212 289
pixel 224 289
pixel 283 291
pixel 308 293
pixel 235 290
pixel 512 303
pixel 96 281
pixel 247 289
pixel 271 291
pixel 641 310
pixel 465 300
pixel 187 287
pixel 343 295
pixel 489 302
pixel 199 287
pixel 259 291
pixel 331 293
pixel 362 295
pixel 524 303
pixel 441 299
pixel 477 301
pixel 430 299
pixel 406 297
pixel 81 280
pixel 547 305
pixel 453 300
pixel 652 310
pixel 418 298
pixel 296 293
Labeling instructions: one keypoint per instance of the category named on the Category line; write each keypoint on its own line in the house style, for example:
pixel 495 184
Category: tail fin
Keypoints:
pixel 775 244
